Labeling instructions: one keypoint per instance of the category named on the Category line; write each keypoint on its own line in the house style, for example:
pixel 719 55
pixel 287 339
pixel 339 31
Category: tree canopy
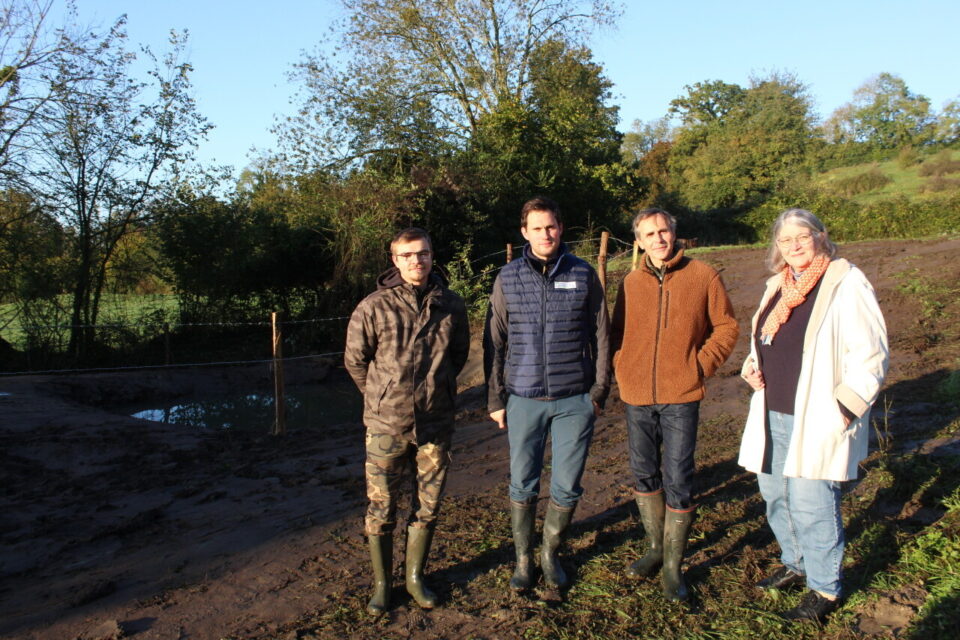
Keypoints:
pixel 736 146
pixel 884 114
pixel 418 76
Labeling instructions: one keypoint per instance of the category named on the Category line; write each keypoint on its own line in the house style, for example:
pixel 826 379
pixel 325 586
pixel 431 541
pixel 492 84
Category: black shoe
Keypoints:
pixel 781 579
pixel 813 607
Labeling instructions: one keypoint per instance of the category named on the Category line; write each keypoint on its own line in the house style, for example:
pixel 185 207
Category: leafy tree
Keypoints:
pixel 948 124
pixel 884 114
pixel 283 241
pixel 562 141
pixel 32 265
pixel 654 172
pixel 458 110
pixel 643 137
pixel 417 77
pixel 737 146
pixel 101 149
pixel 707 102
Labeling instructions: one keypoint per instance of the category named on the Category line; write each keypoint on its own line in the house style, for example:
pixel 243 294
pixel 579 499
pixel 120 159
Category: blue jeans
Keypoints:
pixel 569 422
pixel 804 515
pixel 663 438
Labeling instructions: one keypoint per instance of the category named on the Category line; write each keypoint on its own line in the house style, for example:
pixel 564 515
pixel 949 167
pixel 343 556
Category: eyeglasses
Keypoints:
pixel 803 239
pixel 411 255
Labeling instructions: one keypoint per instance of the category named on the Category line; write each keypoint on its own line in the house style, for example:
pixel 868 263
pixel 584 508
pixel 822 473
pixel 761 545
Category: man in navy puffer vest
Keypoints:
pixel 547 365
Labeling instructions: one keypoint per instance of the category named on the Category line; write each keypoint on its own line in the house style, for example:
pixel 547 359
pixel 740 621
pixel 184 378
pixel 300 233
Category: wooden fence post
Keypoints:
pixel 636 255
pixel 509 252
pixel 280 421
pixel 166 343
pixel 602 259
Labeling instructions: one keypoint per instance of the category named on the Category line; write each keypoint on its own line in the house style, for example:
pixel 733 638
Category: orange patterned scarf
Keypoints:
pixel 793 291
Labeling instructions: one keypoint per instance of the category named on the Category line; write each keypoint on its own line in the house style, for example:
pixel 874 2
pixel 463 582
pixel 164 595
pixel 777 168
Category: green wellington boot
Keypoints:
pixel 675 530
pixel 522 517
pixel 381 553
pixel 418 546
pixel 554 524
pixel 652 513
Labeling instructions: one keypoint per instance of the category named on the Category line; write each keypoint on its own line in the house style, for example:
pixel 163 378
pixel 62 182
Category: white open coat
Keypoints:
pixel 845 357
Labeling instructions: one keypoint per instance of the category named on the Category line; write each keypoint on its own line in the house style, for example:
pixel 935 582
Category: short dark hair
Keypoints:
pixel 539 203
pixel 409 235
pixel 643 214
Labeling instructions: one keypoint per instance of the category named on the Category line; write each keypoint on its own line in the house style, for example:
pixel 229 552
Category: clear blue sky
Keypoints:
pixel 242 50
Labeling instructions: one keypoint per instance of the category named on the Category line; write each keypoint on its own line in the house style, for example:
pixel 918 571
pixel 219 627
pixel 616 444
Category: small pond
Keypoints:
pixel 308 407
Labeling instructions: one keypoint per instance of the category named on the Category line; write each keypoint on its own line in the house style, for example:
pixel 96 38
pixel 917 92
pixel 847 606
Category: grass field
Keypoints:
pixel 904 181
pixel 135 313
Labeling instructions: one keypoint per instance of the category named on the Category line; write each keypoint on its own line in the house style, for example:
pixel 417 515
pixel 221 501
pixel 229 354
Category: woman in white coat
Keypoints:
pixel 817 359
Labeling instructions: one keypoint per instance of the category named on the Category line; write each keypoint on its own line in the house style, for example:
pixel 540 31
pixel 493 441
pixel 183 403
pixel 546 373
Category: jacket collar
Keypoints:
pixel 670 264
pixel 552 264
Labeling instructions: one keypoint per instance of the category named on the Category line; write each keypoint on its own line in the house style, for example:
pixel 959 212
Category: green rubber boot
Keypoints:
pixel 381 553
pixel 522 517
pixel 652 513
pixel 554 524
pixel 675 531
pixel 418 546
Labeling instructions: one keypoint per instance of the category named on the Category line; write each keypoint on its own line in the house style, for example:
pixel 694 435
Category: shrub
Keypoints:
pixel 937 184
pixel 861 183
pixel 939 165
pixel 472 285
pixel 907 157
pixel 897 217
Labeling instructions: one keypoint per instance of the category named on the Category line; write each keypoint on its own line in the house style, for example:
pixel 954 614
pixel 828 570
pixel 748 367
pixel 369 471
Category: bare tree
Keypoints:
pixel 30 47
pixel 103 148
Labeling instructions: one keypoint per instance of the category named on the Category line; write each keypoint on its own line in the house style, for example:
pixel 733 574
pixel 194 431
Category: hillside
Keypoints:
pixel 911 175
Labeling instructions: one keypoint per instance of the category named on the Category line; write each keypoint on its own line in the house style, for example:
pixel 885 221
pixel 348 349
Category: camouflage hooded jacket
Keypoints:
pixel 404 351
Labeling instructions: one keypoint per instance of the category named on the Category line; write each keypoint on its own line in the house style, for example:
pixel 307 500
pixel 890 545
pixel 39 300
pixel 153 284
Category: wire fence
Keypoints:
pixel 158 343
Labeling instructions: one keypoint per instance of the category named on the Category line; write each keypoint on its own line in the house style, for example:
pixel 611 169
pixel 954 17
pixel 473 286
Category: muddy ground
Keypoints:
pixel 116 527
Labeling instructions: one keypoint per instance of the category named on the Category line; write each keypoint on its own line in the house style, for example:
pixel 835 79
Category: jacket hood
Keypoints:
pixel 391 278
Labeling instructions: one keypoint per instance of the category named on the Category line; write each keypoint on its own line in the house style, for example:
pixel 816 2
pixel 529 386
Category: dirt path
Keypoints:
pixel 112 526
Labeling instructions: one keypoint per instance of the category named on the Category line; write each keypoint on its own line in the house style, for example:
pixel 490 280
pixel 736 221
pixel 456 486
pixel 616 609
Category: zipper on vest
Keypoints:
pixel 543 335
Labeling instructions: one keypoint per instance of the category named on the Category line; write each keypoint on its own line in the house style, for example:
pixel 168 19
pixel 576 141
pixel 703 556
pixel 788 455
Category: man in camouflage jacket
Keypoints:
pixel 406 343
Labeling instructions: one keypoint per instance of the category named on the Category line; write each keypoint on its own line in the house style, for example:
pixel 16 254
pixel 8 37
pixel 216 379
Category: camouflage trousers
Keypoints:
pixel 392 460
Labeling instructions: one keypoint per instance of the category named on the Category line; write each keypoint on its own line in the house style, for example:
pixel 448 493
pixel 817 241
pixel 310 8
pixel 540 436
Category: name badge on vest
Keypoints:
pixel 565 285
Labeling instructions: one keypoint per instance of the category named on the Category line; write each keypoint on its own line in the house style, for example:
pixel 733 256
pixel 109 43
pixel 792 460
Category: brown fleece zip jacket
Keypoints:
pixel 668 337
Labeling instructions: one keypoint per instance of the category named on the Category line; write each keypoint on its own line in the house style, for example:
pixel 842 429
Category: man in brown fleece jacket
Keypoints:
pixel 672 327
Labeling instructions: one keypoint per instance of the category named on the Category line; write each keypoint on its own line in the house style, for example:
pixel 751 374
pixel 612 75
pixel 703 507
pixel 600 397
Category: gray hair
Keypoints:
pixel 822 244
pixel 643 214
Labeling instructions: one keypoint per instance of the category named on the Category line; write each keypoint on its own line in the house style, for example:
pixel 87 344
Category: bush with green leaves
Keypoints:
pixel 861 183
pixel 472 285
pixel 939 165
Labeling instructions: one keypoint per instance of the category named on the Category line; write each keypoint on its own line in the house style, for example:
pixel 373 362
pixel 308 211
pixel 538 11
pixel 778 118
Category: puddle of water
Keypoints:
pixel 308 407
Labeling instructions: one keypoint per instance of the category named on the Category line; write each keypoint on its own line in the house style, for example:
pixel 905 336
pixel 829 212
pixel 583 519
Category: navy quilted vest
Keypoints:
pixel 550 345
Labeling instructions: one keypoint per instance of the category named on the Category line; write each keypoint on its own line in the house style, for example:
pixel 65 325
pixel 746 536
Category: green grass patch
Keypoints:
pixel 873 182
pixel 933 294
pixel 134 314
